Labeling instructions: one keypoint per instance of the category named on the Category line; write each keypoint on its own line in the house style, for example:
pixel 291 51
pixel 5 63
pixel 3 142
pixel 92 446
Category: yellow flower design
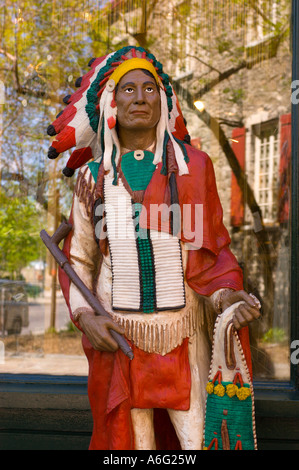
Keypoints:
pixel 231 390
pixel 210 387
pixel 243 393
pixel 219 390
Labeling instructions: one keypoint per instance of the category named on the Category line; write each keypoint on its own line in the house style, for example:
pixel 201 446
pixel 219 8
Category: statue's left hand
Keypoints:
pixel 246 312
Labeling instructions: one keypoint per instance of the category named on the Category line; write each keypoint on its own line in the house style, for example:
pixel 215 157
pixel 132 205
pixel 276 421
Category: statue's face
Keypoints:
pixel 138 101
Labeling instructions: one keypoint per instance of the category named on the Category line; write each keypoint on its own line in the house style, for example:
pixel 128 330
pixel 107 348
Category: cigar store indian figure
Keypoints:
pixel 160 273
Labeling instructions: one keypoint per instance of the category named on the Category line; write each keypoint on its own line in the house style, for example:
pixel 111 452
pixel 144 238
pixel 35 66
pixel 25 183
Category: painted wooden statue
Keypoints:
pixel 149 241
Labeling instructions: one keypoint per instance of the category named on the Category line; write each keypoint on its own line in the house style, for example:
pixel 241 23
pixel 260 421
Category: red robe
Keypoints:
pixel 116 384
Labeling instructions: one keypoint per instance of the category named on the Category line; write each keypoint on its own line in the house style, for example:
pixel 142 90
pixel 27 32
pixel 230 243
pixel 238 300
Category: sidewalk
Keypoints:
pixel 54 364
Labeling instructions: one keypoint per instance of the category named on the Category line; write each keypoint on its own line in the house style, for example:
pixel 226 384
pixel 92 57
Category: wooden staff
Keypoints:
pixel 52 245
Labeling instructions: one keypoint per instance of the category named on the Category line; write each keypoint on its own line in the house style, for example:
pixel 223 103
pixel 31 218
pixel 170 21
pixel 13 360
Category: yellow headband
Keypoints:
pixel 132 64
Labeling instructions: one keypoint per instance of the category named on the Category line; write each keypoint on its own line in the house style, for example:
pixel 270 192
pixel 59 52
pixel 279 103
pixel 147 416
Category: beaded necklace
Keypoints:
pixel 147 272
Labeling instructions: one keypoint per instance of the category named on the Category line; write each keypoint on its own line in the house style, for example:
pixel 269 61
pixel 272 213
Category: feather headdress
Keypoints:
pixel 88 122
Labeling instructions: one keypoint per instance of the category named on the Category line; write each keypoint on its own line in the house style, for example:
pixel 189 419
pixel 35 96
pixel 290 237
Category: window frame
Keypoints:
pixel 258 132
pixel 294 274
pixel 23 388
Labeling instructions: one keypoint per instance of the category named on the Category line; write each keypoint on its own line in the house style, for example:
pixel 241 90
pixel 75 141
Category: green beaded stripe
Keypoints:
pixel 146 265
pixel 138 174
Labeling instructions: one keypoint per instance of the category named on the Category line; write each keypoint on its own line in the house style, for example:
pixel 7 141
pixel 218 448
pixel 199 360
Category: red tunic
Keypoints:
pixel 116 384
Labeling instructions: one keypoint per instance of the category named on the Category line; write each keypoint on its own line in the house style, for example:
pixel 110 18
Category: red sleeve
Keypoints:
pixel 213 266
pixel 207 272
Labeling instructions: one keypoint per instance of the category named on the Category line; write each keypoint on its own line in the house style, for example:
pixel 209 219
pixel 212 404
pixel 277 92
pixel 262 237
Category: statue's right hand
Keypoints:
pixel 96 328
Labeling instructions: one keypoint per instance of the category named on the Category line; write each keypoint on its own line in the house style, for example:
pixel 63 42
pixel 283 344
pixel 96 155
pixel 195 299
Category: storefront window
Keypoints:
pixel 231 64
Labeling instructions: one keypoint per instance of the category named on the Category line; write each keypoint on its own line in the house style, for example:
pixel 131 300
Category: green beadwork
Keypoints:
pixel 94 169
pixel 146 265
pixel 138 173
pixel 238 416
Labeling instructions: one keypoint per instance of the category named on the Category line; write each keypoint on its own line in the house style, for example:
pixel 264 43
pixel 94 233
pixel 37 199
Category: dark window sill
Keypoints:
pixel 19 389
pixel 43 391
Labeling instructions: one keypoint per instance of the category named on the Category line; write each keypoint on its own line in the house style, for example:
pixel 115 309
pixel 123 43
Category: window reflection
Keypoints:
pixel 232 57
pixel 268 159
pixel 270 155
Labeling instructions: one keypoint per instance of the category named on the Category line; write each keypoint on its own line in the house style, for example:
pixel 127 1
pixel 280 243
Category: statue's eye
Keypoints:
pixel 129 90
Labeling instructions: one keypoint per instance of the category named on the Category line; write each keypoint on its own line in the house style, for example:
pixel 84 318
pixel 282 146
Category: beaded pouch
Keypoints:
pixel 230 417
